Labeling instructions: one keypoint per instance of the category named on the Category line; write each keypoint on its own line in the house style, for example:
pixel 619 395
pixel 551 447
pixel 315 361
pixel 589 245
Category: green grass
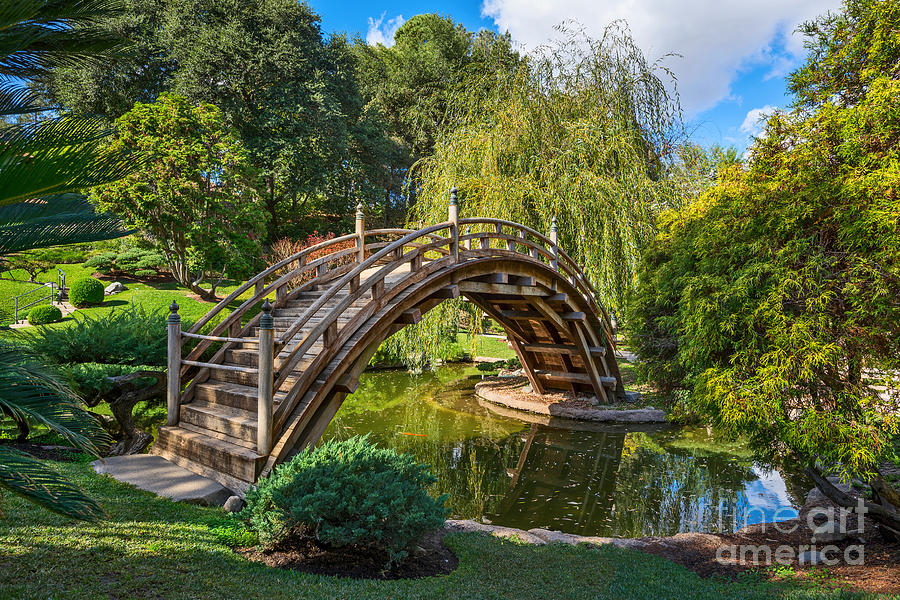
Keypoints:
pixel 151 547
pixel 485 346
pixel 153 296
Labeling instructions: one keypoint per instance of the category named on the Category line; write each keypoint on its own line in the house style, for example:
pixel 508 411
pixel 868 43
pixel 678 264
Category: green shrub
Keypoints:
pixel 127 336
pixel 488 366
pixel 347 493
pixel 513 364
pixel 136 262
pixel 104 263
pixel 41 315
pixel 85 292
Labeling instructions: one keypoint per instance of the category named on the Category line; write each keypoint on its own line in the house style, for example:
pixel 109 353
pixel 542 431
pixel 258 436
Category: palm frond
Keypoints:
pixel 39 35
pixel 33 480
pixel 17 99
pixel 56 156
pixel 31 391
pixel 53 221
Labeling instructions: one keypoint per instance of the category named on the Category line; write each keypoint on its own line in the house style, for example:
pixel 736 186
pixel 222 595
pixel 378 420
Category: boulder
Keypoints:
pixel 114 288
pixel 234 504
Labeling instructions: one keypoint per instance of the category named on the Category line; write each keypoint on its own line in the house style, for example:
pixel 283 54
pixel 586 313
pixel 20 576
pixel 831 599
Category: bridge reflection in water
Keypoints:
pixel 583 478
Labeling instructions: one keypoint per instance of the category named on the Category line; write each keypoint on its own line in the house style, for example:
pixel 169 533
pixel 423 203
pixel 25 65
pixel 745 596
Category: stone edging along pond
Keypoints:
pixel 504 392
pixel 537 536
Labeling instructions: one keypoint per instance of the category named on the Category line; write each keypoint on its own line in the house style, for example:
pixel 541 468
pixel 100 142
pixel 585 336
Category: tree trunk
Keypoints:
pixel 125 393
pixel 885 513
pixel 21 426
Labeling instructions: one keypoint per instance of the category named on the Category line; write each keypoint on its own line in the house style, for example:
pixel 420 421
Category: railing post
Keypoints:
pixel 555 248
pixel 266 380
pixel 361 232
pixel 453 213
pixel 173 389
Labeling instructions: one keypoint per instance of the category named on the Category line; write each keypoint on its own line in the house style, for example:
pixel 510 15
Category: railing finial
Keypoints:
pixel 266 320
pixel 453 217
pixel 173 313
pixel 359 211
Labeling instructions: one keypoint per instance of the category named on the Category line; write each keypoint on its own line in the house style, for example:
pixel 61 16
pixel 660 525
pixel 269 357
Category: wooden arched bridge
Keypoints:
pixel 269 377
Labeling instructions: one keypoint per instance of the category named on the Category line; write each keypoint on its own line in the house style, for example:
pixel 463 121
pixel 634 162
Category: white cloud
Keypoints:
pixel 753 122
pixel 716 38
pixel 381 31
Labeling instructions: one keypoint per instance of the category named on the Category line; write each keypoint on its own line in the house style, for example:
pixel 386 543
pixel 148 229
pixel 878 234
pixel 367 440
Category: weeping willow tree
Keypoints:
pixel 585 130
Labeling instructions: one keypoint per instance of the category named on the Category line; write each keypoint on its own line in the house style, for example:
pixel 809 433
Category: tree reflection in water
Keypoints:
pixel 580 478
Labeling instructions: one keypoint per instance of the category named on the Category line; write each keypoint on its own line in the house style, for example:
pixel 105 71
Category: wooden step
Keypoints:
pixel 231 440
pixel 607 382
pixel 533 315
pixel 251 379
pixel 228 420
pixel 230 459
pixel 250 358
pixel 231 394
pixel 561 349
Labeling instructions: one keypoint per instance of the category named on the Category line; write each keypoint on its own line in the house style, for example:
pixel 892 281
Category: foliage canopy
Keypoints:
pixel 193 194
pixel 584 130
pixel 773 299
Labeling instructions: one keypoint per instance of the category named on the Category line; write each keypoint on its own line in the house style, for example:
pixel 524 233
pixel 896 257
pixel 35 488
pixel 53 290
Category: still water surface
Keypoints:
pixel 589 479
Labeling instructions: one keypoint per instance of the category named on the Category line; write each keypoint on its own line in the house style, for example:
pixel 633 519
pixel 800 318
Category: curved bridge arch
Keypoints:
pixel 251 405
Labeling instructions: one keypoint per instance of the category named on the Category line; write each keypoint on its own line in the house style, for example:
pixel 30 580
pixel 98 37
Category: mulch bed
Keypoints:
pixel 879 573
pixel 305 555
pixel 44 451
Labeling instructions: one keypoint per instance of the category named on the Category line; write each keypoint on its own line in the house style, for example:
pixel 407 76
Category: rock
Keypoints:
pixel 815 498
pixel 834 536
pixel 234 504
pixel 810 557
pixel 632 396
pixel 509 533
pixel 114 288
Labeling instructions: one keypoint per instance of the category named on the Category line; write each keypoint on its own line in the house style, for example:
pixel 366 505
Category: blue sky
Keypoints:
pixel 734 54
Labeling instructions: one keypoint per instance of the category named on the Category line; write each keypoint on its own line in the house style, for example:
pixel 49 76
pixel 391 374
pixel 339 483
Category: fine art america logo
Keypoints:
pixel 827 525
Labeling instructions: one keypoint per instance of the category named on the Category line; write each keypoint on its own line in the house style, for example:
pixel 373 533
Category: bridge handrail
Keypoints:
pixel 347 278
pixel 294 356
pixel 261 277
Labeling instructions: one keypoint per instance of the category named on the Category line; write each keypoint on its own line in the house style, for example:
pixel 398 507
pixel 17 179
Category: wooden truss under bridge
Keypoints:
pixel 276 377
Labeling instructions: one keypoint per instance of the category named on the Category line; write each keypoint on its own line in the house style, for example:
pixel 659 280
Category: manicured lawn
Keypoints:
pixel 154 548
pixel 155 296
pixel 487 346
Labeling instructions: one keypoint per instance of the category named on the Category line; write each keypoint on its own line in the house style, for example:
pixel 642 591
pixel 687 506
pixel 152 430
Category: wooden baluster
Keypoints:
pixel 378 287
pixel 330 335
pixel 266 380
pixel 468 243
pixel 173 389
pixel 453 213
pixel 360 233
pixel 554 249
pixel 360 243
pixel 258 288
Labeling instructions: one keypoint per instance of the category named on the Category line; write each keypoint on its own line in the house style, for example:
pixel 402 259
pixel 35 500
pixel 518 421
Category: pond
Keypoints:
pixel 526 471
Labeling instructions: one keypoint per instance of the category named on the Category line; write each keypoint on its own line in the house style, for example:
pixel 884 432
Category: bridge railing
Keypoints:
pixel 360 270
